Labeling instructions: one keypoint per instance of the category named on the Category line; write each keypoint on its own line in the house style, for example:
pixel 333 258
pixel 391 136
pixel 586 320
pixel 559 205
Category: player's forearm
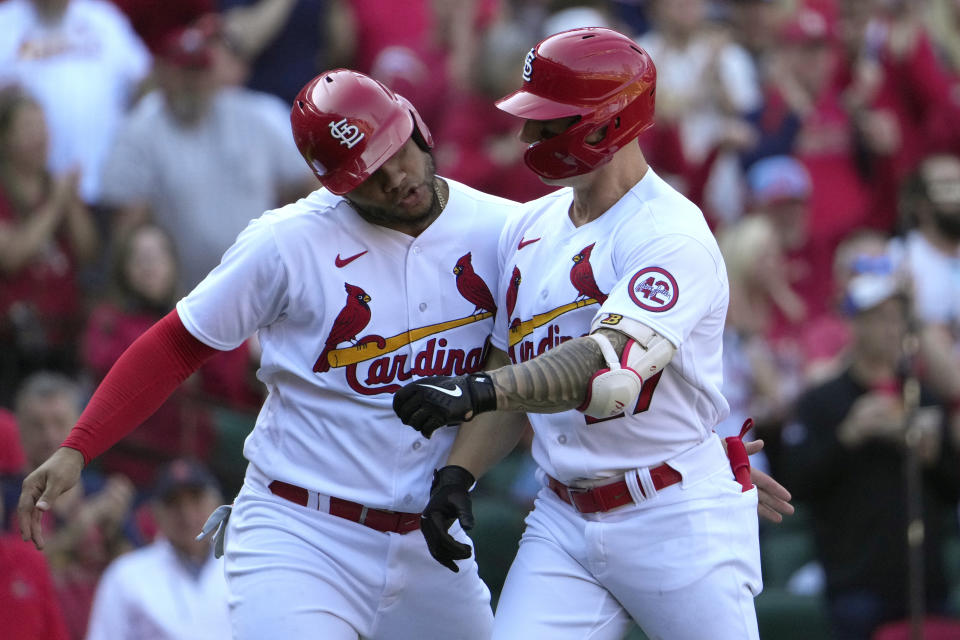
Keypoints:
pixel 554 381
pixel 486 440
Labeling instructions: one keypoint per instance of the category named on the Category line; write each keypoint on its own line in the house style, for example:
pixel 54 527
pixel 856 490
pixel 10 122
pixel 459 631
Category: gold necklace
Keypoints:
pixel 437 190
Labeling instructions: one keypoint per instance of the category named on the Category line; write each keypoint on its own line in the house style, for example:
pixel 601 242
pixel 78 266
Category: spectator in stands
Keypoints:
pixel 477 143
pixel 284 41
pixel 845 455
pixel 46 232
pixel 804 115
pixel 174 588
pixel 85 531
pixel 422 49
pixel 931 249
pixel 706 84
pixel 83 63
pixel 825 338
pixel 894 84
pixel 760 378
pixel 201 160
pixel 28 604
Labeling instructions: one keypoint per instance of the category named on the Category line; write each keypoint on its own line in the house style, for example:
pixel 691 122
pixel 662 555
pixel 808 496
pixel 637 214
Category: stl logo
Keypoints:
pixel 653 289
pixel 528 65
pixel 347 134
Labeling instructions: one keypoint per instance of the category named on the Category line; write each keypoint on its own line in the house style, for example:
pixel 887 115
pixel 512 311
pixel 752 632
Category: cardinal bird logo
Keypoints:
pixel 581 275
pixel 351 320
pixel 472 287
pixel 512 291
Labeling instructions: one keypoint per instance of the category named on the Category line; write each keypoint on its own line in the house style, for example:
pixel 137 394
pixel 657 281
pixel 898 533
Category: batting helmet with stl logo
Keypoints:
pixel 347 125
pixel 601 76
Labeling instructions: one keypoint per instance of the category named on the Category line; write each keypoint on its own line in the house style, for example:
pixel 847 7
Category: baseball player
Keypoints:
pixel 384 275
pixel 611 306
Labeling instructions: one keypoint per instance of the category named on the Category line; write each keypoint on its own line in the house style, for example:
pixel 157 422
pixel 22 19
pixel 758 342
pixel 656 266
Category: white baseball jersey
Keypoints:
pixel 650 258
pixel 347 312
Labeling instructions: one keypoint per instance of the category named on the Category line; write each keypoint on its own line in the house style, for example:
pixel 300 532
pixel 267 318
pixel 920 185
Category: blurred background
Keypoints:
pixel 821 139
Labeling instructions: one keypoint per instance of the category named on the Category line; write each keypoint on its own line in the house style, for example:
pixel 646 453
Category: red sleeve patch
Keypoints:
pixel 654 289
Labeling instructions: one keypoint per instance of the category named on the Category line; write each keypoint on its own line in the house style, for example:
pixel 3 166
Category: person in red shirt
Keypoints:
pixel 28 604
pixel 46 232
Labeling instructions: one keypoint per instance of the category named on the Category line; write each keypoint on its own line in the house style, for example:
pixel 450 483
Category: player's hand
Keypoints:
pixel 42 487
pixel 449 501
pixel 773 498
pixel 435 401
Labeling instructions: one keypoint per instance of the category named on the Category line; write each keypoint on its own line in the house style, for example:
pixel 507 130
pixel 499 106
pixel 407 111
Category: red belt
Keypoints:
pixel 379 519
pixel 610 496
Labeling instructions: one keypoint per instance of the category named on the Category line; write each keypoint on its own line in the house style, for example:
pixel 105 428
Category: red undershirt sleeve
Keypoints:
pixel 138 383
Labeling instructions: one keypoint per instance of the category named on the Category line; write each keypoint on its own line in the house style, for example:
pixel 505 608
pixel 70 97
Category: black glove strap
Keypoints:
pixel 452 475
pixel 483 394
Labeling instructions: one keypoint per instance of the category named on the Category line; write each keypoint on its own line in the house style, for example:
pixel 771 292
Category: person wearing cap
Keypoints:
pixel 843 455
pixel 930 208
pixel 173 588
pixel 199 159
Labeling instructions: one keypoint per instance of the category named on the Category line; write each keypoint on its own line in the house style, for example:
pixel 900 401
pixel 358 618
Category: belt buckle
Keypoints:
pixel 572 492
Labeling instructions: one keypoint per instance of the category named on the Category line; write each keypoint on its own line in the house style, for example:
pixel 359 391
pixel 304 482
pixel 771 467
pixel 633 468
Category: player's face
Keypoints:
pixel 26 140
pixel 401 192
pixel 150 269
pixel 181 515
pixel 44 423
pixel 878 332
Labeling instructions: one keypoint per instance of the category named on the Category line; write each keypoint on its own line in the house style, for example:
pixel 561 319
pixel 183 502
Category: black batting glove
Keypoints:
pixel 449 501
pixel 435 401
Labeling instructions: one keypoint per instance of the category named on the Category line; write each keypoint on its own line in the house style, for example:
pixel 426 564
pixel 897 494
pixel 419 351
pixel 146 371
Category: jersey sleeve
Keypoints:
pixel 246 291
pixel 669 284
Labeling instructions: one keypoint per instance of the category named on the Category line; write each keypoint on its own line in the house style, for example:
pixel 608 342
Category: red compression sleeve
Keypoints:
pixel 138 383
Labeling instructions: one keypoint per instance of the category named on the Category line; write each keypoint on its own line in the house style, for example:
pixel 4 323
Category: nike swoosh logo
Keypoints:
pixel 524 243
pixel 342 262
pixel 456 393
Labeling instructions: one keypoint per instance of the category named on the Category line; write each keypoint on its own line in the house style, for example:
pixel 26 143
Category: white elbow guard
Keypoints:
pixel 615 389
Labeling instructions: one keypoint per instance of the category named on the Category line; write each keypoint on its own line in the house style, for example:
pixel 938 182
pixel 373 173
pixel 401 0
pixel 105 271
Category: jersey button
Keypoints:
pixel 544 294
pixel 417 445
pixel 562 439
pixel 416 250
pixel 423 306
pixel 407 498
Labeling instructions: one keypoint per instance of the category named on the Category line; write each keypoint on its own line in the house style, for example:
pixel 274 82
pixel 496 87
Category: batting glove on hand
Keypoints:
pixel 430 403
pixel 217 525
pixel 449 501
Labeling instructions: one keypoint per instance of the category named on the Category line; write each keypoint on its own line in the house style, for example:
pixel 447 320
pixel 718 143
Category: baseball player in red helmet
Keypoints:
pixel 380 277
pixel 617 294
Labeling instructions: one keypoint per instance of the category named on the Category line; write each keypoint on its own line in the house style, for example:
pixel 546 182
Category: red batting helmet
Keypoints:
pixel 347 125
pixel 595 73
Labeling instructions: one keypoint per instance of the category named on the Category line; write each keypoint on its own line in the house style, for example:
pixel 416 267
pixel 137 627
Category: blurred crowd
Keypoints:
pixel 821 138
